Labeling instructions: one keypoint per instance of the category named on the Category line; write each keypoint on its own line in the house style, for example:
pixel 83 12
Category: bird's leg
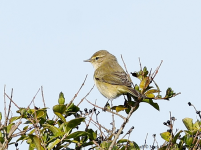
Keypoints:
pixel 107 106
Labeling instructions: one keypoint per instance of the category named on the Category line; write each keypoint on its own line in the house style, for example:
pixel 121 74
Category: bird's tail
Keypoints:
pixel 135 93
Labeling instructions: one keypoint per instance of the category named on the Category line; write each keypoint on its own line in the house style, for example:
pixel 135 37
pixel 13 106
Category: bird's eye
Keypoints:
pixel 97 58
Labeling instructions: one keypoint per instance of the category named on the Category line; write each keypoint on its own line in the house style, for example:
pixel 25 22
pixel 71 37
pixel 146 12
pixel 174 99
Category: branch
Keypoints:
pixel 106 109
pixel 76 93
pixel 43 96
pixel 123 125
pixel 12 101
pixel 34 97
pixel 86 95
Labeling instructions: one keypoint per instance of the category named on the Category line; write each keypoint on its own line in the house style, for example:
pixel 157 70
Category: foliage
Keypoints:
pixel 182 139
pixel 66 129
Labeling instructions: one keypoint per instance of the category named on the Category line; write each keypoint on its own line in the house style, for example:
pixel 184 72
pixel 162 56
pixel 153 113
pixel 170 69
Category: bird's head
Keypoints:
pixel 100 57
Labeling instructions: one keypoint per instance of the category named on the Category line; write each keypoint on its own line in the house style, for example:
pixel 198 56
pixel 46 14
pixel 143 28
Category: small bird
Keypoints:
pixel 110 78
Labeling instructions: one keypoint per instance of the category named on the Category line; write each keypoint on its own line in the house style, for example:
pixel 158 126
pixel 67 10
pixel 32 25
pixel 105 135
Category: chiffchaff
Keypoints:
pixel 110 78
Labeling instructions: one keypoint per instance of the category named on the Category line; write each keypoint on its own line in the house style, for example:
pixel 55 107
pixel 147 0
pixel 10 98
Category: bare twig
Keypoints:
pixel 97 144
pixel 124 65
pixel 77 93
pixel 22 132
pixel 9 107
pixel 99 127
pixel 127 70
pixel 156 98
pixel 156 71
pixel 43 96
pixel 12 101
pixel 86 95
pixel 36 126
pixel 145 142
pixel 140 64
pixel 90 118
pixel 197 137
pixel 12 130
pixel 123 125
pixel 106 109
pixel 34 97
pixel 113 121
pixel 5 102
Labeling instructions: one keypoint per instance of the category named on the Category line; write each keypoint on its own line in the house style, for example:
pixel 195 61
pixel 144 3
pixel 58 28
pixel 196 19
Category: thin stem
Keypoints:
pixel 106 109
pixel 123 125
pixel 12 101
pixel 77 93
pixel 43 96
pixel 33 98
pixel 113 121
pixel 5 102
pixel 140 64
pixel 9 106
pixel 86 95
pixel 145 142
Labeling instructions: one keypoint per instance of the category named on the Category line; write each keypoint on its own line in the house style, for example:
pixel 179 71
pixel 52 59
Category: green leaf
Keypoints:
pixel 169 93
pixel 73 123
pixel 40 113
pixel 77 134
pixel 36 141
pixel 59 110
pixel 196 125
pixel 52 144
pixel 1 139
pixel 131 103
pixel 136 87
pixel 123 140
pixel 55 131
pixel 51 122
pixel 31 147
pixel 150 94
pixel 1 135
pixel 166 136
pixel 133 146
pixel 60 116
pixel 152 91
pixel 106 145
pixel 14 118
pixel 32 131
pixel 176 137
pixel 92 134
pixel 61 99
pixel 31 111
pixel 72 109
pixel 150 101
pixel 9 127
pixel 144 83
pixel 26 127
pixel 188 140
pixel 119 108
pixel 22 138
pixel 188 122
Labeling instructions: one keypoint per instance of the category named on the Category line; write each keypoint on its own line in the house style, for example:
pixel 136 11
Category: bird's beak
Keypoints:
pixel 88 60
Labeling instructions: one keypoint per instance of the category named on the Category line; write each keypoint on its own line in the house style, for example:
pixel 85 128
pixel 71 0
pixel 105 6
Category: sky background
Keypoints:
pixel 44 43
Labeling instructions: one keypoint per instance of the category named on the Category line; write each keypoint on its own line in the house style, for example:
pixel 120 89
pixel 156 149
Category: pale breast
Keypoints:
pixel 107 90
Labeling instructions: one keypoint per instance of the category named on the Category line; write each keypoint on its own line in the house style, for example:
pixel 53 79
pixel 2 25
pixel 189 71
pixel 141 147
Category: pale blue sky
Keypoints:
pixel 45 43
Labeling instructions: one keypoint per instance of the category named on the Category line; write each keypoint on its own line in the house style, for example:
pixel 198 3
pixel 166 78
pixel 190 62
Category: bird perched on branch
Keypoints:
pixel 110 78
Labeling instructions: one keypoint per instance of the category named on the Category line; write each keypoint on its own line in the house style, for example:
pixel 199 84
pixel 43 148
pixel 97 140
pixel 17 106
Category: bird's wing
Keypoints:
pixel 115 78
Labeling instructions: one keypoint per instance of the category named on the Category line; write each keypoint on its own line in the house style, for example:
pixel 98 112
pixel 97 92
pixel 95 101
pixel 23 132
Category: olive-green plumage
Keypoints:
pixel 110 78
